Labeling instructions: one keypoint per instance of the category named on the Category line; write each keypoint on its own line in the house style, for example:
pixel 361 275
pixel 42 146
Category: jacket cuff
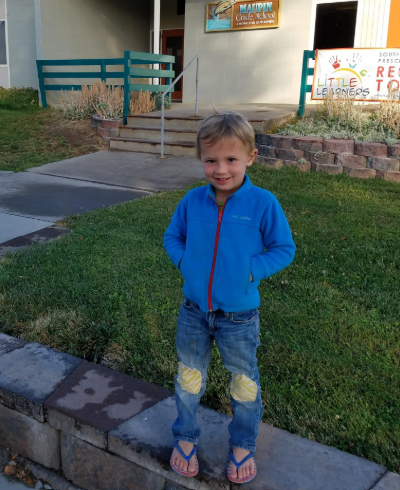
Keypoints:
pixel 257 269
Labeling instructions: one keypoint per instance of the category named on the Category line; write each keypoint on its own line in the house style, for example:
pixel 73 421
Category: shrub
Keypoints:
pixel 107 101
pixel 102 99
pixel 341 118
pixel 18 97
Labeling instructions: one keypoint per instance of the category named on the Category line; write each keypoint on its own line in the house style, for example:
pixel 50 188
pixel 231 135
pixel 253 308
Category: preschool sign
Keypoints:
pixel 233 15
pixel 366 74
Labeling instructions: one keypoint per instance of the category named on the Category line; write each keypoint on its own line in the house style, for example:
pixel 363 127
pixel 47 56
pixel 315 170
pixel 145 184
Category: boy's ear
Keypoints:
pixel 252 157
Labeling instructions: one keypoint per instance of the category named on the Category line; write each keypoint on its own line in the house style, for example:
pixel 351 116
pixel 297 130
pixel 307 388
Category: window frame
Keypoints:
pixel 6 41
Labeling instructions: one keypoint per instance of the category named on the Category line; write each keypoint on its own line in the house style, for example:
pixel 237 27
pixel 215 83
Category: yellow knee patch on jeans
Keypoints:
pixel 243 389
pixel 189 379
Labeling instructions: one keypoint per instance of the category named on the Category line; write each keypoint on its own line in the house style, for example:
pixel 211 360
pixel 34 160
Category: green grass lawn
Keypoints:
pixel 330 335
pixel 33 136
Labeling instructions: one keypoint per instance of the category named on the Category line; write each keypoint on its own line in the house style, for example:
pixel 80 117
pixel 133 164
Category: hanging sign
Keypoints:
pixel 234 15
pixel 366 74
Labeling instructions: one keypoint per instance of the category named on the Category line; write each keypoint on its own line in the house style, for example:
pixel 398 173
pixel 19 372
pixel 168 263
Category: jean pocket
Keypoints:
pixel 248 316
pixel 189 304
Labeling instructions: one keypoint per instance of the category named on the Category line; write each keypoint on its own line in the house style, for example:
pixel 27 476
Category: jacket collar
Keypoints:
pixel 239 193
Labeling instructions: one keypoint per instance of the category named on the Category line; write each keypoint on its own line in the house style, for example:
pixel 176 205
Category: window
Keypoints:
pixel 181 7
pixel 335 25
pixel 3 53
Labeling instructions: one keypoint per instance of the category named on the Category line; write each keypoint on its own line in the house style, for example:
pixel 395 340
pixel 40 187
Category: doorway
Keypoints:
pixel 335 25
pixel 172 44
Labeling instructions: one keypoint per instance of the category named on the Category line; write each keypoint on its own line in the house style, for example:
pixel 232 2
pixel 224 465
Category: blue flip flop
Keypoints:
pixel 177 469
pixel 245 479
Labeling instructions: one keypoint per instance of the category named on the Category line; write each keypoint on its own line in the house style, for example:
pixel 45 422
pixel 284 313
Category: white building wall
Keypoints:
pixel 4 70
pixel 265 65
pixel 372 23
pixel 76 29
pixel 251 66
pixel 22 43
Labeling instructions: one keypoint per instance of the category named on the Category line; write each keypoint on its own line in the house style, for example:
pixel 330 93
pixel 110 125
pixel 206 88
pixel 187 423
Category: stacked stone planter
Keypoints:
pixel 107 128
pixel 366 159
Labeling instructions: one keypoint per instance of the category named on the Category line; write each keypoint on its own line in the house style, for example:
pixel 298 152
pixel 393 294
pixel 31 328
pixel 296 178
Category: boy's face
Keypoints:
pixel 224 165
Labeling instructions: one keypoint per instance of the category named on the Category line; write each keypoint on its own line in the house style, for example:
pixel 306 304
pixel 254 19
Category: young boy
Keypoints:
pixel 217 238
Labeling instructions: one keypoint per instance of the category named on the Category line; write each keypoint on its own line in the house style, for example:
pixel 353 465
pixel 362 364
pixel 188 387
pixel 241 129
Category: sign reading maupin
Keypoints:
pixel 233 15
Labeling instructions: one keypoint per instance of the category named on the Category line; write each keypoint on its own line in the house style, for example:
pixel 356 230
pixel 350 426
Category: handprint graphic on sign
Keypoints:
pixel 335 62
pixel 365 70
pixel 353 62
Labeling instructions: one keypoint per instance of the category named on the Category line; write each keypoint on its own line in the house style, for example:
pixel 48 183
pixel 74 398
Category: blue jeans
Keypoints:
pixel 237 337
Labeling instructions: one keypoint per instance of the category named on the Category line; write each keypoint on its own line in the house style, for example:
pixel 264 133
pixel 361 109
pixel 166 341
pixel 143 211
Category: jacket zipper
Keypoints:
pixel 220 213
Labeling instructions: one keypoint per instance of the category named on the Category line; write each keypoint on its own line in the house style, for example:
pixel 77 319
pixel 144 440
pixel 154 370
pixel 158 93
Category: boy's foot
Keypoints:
pixel 180 461
pixel 247 469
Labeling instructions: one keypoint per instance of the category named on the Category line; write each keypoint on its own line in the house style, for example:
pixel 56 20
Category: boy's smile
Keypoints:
pixel 224 165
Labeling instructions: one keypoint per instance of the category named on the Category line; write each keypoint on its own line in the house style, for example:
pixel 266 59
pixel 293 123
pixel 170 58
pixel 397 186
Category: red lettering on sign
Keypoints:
pixel 391 71
pixel 380 71
pixel 353 81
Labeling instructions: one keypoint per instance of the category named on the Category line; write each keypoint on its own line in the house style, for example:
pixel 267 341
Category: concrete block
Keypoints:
pixel 170 485
pixel 263 139
pixel 370 149
pixel 35 440
pixel 303 167
pixel 394 151
pixel 96 121
pixel 147 440
pixel 328 169
pixel 113 132
pixel 102 131
pixel 390 481
pixel 285 460
pixel 28 376
pixel 289 154
pixel 266 151
pixel 321 157
pixel 269 162
pixel 308 143
pixel 95 399
pixel 384 164
pixel 280 141
pixel 387 175
pixel 8 343
pixel 338 146
pixel 111 123
pixel 94 469
pixel 360 173
pixel 349 160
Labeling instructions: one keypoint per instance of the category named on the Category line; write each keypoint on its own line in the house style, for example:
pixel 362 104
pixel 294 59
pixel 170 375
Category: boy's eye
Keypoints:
pixel 210 161
pixel 231 159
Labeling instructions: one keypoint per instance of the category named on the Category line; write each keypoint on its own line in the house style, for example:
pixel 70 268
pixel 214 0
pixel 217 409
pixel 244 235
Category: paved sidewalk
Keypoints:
pixel 32 202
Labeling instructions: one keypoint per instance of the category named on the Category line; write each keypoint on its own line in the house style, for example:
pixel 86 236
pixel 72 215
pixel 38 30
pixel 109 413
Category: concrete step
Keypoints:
pixel 179 123
pixel 170 122
pixel 170 135
pixel 177 148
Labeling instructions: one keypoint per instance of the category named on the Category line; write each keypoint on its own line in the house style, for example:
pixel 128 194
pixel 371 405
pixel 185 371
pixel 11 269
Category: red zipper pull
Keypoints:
pixel 219 217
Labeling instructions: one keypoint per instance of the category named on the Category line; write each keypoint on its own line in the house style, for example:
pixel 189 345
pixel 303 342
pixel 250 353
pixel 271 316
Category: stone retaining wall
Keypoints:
pixel 107 128
pixel 88 427
pixel 366 159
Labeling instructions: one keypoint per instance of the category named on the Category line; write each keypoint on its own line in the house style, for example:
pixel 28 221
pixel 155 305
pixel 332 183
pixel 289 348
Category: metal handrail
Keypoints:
pixel 168 89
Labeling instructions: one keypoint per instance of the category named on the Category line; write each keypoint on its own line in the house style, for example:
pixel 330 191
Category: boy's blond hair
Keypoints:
pixel 225 125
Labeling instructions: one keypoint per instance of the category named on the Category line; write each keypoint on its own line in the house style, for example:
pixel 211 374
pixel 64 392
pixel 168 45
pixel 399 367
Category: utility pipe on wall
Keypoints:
pixel 156 39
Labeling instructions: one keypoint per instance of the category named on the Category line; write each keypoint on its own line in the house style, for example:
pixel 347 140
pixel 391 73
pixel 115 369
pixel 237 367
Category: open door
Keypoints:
pixel 335 25
pixel 172 44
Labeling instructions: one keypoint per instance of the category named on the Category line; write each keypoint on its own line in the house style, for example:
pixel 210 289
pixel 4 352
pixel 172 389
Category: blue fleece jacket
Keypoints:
pixel 216 252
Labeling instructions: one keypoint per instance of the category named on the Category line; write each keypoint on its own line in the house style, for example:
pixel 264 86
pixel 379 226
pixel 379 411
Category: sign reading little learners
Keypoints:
pixel 366 74
pixel 233 15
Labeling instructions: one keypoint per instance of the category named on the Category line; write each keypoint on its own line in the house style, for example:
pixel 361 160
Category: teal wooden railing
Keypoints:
pixel 131 58
pixel 136 58
pixel 304 88
pixel 103 74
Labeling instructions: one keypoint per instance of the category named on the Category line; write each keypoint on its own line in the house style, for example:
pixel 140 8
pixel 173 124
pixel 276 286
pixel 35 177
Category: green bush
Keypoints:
pixel 157 97
pixel 18 97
